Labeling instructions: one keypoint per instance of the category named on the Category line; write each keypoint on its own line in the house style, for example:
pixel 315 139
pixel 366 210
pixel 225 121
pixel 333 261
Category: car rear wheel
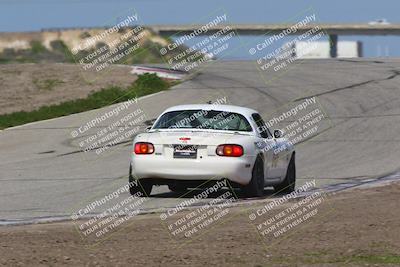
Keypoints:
pixel 288 185
pixel 143 186
pixel 255 188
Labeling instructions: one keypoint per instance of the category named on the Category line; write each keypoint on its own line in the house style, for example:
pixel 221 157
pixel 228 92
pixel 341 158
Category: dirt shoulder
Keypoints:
pixel 354 228
pixel 26 87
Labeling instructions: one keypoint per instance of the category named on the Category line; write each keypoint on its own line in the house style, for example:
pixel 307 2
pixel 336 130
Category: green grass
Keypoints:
pixel 144 85
pixel 4 60
pixel 325 258
pixel 372 259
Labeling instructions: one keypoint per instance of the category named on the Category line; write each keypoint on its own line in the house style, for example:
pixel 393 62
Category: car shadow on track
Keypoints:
pixel 190 193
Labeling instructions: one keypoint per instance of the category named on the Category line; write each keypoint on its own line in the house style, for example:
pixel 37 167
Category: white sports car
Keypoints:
pixel 189 145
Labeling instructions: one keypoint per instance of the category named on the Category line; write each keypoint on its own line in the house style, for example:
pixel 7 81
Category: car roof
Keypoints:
pixel 229 108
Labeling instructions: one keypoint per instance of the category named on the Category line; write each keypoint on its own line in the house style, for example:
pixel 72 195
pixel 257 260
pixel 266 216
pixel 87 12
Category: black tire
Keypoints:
pixel 289 184
pixel 255 188
pixel 177 188
pixel 139 185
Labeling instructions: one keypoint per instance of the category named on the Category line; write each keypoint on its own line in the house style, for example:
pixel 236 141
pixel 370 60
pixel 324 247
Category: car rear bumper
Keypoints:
pixel 237 170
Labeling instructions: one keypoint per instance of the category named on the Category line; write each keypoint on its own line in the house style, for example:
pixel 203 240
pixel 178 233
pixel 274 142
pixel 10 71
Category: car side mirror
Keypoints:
pixel 278 133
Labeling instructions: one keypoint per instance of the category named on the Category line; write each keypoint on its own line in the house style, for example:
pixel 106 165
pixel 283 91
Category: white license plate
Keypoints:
pixel 185 151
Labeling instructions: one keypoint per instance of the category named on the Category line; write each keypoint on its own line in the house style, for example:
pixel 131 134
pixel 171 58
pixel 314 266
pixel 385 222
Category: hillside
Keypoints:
pixel 139 45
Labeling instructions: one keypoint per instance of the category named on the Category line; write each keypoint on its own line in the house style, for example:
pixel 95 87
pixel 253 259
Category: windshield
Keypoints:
pixel 203 119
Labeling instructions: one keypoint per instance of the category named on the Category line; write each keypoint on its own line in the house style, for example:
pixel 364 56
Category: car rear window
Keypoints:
pixel 203 119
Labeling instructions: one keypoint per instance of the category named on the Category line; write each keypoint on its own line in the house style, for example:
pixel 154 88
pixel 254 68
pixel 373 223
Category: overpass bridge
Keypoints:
pixel 332 30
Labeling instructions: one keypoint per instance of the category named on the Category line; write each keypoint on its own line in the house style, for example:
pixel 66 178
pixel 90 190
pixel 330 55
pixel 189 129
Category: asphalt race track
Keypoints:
pixel 44 173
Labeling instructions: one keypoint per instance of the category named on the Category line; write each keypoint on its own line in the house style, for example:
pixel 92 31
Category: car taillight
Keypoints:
pixel 144 148
pixel 230 150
